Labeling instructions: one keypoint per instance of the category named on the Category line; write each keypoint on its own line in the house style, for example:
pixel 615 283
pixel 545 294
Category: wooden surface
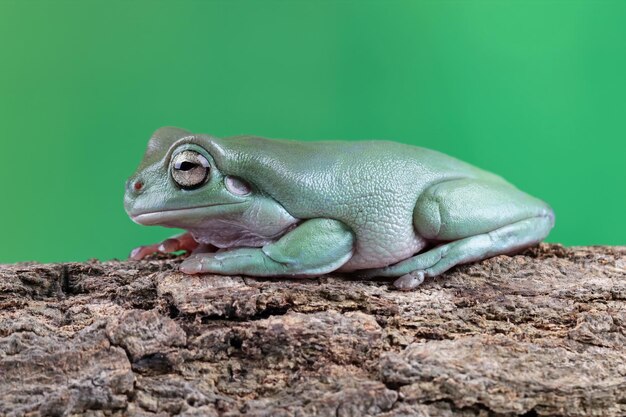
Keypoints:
pixel 542 333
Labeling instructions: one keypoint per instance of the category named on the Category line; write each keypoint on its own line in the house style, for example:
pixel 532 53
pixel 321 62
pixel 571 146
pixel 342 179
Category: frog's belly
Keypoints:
pixel 380 250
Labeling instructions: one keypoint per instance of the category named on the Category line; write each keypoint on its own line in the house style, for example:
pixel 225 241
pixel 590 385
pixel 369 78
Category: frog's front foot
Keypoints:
pixel 176 243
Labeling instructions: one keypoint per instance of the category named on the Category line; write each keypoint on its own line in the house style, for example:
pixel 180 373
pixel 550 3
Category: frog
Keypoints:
pixel 262 207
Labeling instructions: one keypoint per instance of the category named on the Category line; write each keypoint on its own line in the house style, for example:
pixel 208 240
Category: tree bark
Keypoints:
pixel 540 333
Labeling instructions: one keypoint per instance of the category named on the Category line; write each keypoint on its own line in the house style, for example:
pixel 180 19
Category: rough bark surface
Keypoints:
pixel 541 333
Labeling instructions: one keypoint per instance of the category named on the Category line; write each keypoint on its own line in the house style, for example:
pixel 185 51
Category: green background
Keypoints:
pixel 534 90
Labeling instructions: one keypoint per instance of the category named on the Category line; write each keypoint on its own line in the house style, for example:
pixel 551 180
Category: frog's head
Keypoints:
pixel 179 185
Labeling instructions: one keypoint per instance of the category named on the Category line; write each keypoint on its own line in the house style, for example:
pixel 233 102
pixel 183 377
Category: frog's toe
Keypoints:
pixel 409 281
pixel 170 245
pixel 167 246
pixel 191 265
pixel 182 242
pixel 142 251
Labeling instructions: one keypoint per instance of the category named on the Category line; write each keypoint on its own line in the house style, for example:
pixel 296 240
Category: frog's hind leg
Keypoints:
pixel 478 219
pixel 504 240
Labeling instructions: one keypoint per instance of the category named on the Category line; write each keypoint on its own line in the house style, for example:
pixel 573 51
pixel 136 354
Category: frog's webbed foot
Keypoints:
pixel 176 243
pixel 410 281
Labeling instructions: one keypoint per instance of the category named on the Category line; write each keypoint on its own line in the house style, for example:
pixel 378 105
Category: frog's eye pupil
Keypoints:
pixel 185 165
pixel 189 169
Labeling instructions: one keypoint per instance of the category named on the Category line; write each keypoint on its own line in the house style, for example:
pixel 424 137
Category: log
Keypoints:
pixel 539 333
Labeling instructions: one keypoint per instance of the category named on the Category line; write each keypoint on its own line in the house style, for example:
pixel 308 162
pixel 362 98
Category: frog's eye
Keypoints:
pixel 189 169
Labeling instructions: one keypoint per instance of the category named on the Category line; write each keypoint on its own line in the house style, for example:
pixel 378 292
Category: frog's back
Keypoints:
pixel 371 186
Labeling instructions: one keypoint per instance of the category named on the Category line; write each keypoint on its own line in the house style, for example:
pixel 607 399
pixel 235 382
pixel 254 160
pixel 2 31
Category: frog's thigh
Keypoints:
pixel 481 219
pixel 317 246
pixel 467 207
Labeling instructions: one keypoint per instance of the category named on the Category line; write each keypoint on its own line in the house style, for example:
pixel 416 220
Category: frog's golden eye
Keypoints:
pixel 189 169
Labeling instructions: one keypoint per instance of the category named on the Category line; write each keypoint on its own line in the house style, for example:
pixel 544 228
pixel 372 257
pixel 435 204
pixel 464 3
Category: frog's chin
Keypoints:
pixel 181 217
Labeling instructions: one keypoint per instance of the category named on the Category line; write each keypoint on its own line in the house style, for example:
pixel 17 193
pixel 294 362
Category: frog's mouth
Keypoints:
pixel 178 217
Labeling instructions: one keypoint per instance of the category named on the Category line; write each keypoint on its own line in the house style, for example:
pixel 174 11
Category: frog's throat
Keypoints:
pixel 162 216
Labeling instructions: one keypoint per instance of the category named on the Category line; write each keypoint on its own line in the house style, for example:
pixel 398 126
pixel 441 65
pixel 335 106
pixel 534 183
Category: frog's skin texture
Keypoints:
pixel 288 208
